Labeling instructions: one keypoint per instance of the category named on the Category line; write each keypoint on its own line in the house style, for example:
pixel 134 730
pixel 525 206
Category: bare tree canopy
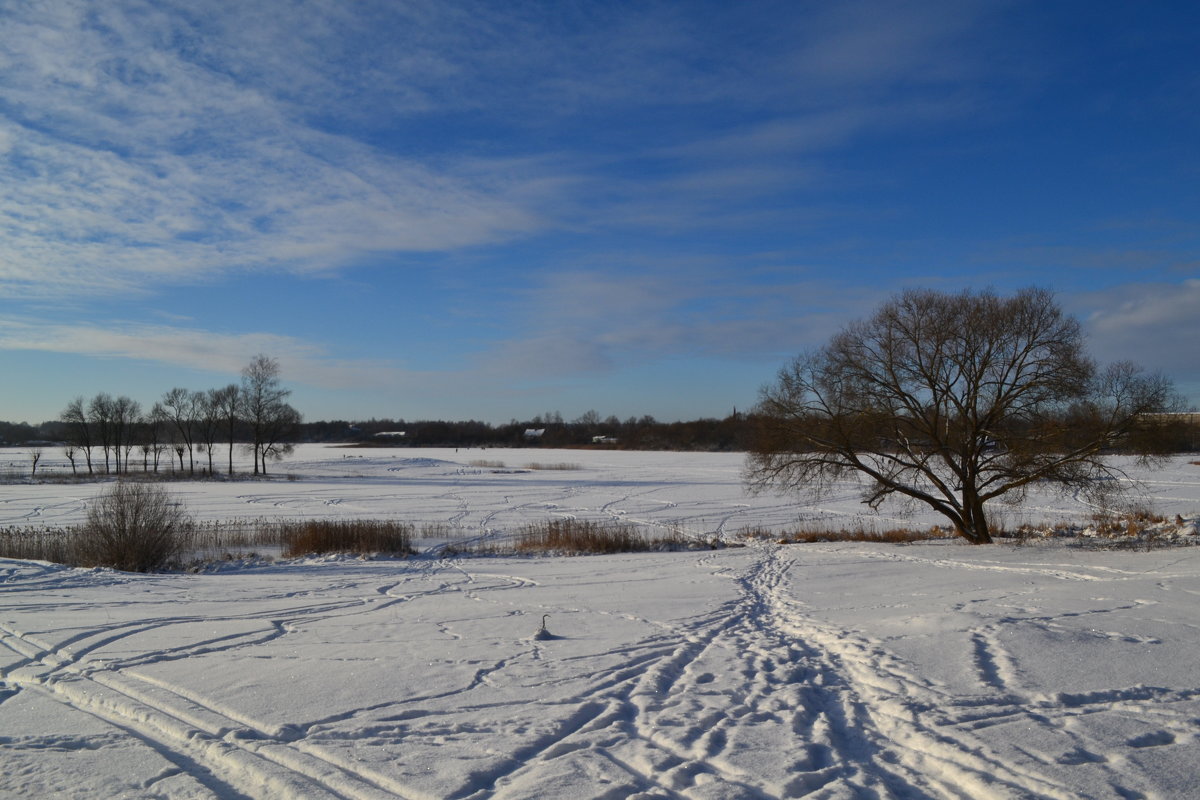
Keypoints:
pixel 183 409
pixel 79 430
pixel 954 400
pixel 265 409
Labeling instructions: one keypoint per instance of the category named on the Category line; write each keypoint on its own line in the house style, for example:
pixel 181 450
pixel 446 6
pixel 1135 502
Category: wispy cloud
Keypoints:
pixel 870 46
pixel 302 362
pixel 1153 324
pixel 133 155
pixel 176 346
pixel 595 320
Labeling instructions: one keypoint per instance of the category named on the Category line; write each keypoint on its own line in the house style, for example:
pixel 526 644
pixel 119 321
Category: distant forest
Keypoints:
pixel 733 433
pixel 549 430
pixel 636 433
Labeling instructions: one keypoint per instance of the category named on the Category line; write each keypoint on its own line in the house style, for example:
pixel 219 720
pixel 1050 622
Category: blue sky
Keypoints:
pixel 493 210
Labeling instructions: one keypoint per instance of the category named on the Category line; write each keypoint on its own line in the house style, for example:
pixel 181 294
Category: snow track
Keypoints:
pixel 750 693
pixel 227 753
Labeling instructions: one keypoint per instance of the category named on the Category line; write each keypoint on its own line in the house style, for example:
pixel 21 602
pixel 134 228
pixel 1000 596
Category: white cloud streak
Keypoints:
pixel 183 347
pixel 1152 324
pixel 302 362
pixel 596 320
pixel 130 155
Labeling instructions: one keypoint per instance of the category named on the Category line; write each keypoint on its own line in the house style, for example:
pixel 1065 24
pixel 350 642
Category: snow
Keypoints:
pixel 833 670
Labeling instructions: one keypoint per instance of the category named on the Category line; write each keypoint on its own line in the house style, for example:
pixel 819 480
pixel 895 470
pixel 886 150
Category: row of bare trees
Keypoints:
pixel 254 413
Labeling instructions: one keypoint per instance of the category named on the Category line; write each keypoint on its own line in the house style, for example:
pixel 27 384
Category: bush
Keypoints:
pixel 362 536
pixel 135 527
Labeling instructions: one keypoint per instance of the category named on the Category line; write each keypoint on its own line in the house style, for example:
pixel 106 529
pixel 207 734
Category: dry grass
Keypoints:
pixel 1136 529
pixel 1128 524
pixel 56 545
pixel 893 536
pixel 483 464
pixel 560 466
pixel 236 539
pixel 588 536
pixel 118 544
pixel 358 536
pixel 442 530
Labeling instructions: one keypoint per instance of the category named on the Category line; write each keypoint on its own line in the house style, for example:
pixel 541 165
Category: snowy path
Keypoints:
pixel 728 674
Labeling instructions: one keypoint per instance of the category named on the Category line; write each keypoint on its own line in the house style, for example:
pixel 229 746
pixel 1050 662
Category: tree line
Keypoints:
pixel 549 430
pixel 729 434
pixel 113 434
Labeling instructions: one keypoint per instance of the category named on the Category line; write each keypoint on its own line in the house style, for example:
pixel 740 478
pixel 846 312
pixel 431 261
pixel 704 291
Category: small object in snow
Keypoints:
pixel 543 634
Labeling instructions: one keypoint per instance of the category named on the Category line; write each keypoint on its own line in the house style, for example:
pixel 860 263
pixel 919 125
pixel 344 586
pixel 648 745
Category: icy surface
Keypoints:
pixel 824 671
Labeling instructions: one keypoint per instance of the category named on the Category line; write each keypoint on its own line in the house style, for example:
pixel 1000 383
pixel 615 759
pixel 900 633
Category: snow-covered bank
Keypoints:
pixel 827 671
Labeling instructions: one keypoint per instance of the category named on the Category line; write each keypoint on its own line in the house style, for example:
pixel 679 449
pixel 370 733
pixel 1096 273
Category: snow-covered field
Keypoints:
pixel 823 671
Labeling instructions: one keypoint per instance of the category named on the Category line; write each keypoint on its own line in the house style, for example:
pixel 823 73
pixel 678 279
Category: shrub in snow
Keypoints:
pixel 136 527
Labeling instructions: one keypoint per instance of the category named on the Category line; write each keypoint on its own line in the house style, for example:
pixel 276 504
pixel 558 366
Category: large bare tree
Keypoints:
pixel 79 431
pixel 227 404
pixel 125 414
pixel 100 416
pixel 153 427
pixel 183 408
pixel 266 411
pixel 276 435
pixel 954 400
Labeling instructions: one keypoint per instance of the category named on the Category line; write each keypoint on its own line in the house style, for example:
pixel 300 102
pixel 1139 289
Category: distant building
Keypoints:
pixel 534 433
pixel 391 434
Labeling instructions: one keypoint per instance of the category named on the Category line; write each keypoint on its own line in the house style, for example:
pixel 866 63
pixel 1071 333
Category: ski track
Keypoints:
pixel 226 752
pixel 686 712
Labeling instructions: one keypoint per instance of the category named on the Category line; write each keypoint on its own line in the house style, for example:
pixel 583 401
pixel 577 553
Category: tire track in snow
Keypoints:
pixel 229 753
pixel 877 712
pixel 219 752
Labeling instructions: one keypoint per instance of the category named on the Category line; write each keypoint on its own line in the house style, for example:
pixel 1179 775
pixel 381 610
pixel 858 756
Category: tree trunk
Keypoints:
pixel 974 527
